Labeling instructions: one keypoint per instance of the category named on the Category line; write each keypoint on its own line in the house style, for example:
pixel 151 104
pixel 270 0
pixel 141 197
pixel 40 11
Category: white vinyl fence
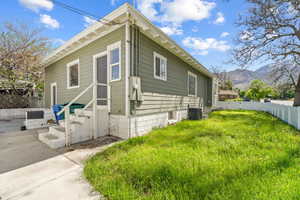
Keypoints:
pixel 289 114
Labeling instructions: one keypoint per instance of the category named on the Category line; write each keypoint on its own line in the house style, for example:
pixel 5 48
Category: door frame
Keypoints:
pixel 51 93
pixel 104 53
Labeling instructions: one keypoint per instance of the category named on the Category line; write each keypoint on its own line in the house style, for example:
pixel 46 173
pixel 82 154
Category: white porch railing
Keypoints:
pixel 289 114
pixel 66 110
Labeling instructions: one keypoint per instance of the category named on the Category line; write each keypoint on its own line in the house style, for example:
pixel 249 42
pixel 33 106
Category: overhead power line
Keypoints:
pixel 83 13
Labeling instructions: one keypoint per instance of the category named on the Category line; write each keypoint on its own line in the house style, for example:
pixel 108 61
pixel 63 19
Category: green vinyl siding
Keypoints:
pixel 177 73
pixel 56 72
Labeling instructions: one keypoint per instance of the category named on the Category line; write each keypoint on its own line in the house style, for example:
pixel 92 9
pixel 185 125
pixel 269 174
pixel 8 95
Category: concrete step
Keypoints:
pixel 72 123
pixel 53 141
pixel 57 130
pixel 85 116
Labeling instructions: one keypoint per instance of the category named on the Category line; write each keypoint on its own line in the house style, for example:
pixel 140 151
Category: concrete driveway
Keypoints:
pixel 10 125
pixel 18 149
pixel 47 174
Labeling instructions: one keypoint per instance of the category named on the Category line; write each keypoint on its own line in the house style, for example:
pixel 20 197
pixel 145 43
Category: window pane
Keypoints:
pixel 163 69
pixel 101 92
pixel 192 85
pixel 171 115
pixel 74 75
pixel 115 72
pixel 114 56
pixel 102 69
pixel 157 66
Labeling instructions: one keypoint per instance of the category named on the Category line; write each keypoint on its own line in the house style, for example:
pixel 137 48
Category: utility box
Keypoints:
pixel 135 89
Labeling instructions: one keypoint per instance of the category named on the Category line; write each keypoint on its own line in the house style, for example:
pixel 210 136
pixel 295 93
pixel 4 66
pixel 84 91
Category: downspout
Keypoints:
pixel 127 71
pixel 127 64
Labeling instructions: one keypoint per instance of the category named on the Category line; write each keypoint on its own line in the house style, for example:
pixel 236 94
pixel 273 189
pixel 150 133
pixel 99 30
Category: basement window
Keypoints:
pixel 192 84
pixel 172 116
pixel 73 74
pixel 160 67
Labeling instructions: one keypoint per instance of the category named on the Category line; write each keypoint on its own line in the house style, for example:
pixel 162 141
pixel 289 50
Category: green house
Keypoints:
pixel 130 74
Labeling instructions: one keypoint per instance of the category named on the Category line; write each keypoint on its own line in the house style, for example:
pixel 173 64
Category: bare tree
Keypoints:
pixel 21 51
pixel 285 72
pixel 270 31
pixel 224 80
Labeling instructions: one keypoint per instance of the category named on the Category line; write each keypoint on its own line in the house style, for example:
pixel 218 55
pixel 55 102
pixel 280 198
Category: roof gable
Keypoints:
pixel 119 17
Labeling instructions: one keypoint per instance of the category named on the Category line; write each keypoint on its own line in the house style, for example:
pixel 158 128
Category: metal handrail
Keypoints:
pixel 76 98
pixel 66 109
pixel 87 105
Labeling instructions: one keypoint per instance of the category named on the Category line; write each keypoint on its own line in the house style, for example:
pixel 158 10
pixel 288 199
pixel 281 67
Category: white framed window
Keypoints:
pixel 160 66
pixel 192 84
pixel 73 78
pixel 53 90
pixel 114 54
pixel 172 116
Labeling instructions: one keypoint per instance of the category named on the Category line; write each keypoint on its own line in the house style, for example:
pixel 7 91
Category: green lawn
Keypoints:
pixel 232 155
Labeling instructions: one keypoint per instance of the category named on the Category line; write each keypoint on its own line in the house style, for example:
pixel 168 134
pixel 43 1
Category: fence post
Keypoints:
pixel 95 113
pixel 289 115
pixel 298 118
pixel 67 126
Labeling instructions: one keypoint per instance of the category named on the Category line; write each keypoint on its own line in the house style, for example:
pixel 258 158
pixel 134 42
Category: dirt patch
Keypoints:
pixel 101 141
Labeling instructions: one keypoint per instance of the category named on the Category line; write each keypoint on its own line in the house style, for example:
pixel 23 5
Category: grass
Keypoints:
pixel 234 155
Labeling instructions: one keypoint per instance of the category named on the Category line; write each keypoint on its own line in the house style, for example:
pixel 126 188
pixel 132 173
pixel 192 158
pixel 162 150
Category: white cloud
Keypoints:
pixel 195 29
pixel 58 41
pixel 179 11
pixel 203 45
pixel 147 7
pixel 113 2
pixel 246 35
pixel 220 18
pixel 224 34
pixel 175 11
pixel 36 5
pixel 172 30
pixel 88 21
pixel 49 21
pixel 202 53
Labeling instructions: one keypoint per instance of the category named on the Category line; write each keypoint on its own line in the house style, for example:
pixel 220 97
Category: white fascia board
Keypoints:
pixel 156 34
pixel 86 36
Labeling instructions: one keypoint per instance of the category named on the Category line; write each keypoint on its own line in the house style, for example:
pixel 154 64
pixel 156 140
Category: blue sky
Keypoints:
pixel 205 28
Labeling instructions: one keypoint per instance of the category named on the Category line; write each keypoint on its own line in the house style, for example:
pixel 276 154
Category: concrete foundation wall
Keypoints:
pixel 39 123
pixel 18 113
pixel 128 127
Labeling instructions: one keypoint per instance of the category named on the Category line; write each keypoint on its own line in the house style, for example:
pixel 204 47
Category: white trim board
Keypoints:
pixel 127 67
pixel 157 55
pixel 196 83
pixel 116 45
pixel 95 77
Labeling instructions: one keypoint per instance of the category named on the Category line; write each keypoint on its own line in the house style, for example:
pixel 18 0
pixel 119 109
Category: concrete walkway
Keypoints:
pixel 58 178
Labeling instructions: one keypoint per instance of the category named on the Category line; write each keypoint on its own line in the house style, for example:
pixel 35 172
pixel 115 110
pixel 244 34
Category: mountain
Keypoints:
pixel 242 78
